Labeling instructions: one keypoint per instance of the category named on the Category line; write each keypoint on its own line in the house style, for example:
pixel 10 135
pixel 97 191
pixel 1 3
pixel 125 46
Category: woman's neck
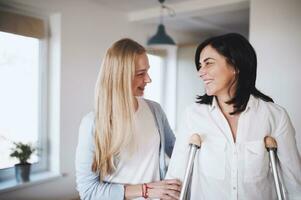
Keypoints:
pixel 224 106
pixel 224 97
pixel 226 109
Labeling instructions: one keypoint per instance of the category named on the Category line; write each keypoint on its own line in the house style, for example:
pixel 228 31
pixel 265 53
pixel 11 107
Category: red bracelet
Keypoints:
pixel 142 190
pixel 145 190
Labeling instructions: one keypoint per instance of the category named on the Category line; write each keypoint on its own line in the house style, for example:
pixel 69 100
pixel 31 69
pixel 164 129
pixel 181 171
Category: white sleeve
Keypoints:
pixel 179 158
pixel 289 157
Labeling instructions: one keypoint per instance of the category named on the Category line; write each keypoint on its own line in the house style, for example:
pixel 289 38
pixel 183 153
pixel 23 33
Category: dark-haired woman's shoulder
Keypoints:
pixel 198 109
pixel 196 117
pixel 271 107
pixel 277 116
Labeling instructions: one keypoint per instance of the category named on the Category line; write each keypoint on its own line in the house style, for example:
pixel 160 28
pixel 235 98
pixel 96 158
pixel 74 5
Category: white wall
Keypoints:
pixel 189 84
pixel 275 32
pixel 87 30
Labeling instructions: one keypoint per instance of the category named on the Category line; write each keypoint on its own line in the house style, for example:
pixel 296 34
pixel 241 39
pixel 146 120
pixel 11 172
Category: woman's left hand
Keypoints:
pixel 165 190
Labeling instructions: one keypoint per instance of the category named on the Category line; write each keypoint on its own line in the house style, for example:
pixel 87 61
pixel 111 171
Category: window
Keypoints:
pixel 22 91
pixel 154 91
pixel 163 72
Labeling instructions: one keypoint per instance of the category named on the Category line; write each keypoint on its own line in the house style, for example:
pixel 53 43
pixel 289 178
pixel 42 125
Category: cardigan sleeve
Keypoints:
pixel 168 134
pixel 88 183
pixel 163 126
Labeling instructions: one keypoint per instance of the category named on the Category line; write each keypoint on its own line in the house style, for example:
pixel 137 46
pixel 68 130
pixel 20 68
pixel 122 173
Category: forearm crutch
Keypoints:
pixel 194 145
pixel 271 146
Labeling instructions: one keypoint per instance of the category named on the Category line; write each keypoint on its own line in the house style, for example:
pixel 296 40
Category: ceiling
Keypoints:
pixel 195 16
pixel 134 5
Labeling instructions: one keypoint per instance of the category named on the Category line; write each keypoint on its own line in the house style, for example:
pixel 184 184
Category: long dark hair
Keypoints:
pixel 241 55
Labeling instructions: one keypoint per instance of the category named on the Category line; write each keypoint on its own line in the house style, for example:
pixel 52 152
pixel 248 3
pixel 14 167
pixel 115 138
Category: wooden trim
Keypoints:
pixel 21 25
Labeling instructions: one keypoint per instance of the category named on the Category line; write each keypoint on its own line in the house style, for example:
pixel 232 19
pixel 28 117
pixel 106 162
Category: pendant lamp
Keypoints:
pixel 161 37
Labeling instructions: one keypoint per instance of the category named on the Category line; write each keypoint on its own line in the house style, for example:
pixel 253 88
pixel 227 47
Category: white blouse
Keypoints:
pixel 227 170
pixel 142 165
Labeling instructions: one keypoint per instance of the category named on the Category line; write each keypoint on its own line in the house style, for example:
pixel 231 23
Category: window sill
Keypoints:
pixel 35 179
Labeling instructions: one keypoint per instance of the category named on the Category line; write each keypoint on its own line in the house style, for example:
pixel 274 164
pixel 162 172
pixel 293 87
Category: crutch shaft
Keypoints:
pixel 188 172
pixel 276 175
pixel 194 145
pixel 271 146
pixel 283 191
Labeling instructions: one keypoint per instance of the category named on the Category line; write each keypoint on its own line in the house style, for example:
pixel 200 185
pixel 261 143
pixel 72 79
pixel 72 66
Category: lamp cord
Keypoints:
pixel 171 12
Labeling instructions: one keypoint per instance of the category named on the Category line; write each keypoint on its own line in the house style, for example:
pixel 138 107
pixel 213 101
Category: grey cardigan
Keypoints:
pixel 88 184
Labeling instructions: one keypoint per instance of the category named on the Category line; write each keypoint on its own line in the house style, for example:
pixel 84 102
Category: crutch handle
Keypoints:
pixel 271 146
pixel 195 139
pixel 270 143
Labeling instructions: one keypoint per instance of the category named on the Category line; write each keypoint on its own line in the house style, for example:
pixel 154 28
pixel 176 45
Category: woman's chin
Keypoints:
pixel 209 93
pixel 139 93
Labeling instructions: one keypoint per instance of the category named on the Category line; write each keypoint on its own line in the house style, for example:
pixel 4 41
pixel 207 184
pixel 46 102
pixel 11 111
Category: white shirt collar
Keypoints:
pixel 252 103
pixel 213 104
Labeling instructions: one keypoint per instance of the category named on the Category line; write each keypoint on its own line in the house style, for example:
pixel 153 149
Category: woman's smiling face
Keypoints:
pixel 141 78
pixel 216 72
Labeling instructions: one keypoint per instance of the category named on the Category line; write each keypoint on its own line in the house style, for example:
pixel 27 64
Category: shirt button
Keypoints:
pixel 234 188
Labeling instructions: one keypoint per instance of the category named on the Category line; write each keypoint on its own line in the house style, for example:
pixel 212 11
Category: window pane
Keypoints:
pixel 19 94
pixel 154 90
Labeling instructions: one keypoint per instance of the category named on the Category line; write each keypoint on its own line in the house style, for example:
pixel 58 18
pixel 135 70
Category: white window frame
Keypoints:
pixel 163 75
pixel 42 144
pixel 169 102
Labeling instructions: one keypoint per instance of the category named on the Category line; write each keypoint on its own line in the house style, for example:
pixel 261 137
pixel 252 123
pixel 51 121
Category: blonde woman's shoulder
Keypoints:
pixel 89 116
pixel 151 102
pixel 87 124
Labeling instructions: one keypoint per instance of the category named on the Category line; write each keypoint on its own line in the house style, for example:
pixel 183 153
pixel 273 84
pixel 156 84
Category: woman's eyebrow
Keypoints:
pixel 140 70
pixel 206 59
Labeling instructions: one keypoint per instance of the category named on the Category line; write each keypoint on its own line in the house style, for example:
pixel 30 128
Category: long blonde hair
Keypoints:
pixel 114 105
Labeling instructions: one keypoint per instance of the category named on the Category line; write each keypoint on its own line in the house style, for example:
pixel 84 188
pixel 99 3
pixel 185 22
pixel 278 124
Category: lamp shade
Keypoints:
pixel 161 37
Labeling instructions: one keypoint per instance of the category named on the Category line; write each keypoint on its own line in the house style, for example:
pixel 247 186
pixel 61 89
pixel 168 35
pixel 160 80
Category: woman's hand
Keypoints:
pixel 165 190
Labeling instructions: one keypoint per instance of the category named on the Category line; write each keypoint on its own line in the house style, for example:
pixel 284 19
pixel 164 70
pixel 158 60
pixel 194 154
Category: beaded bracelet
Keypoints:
pixel 145 190
pixel 142 190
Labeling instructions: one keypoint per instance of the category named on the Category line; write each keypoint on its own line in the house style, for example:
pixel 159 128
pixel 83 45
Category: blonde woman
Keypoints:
pixel 123 144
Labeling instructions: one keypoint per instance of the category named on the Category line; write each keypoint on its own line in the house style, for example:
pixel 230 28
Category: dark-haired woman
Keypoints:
pixel 232 118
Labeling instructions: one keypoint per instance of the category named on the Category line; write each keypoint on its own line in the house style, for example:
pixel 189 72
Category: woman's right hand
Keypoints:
pixel 165 190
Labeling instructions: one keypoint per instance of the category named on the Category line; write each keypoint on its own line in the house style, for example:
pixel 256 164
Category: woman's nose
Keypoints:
pixel 147 78
pixel 201 72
